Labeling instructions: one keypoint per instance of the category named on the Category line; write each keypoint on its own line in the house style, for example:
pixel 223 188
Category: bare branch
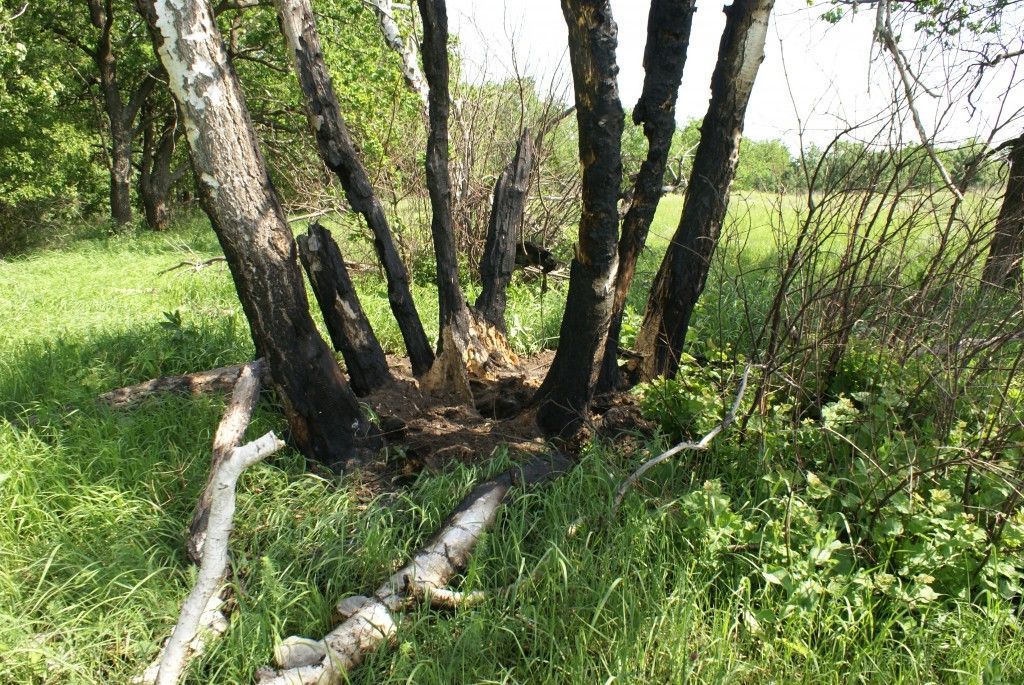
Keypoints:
pixel 700 445
pixel 884 35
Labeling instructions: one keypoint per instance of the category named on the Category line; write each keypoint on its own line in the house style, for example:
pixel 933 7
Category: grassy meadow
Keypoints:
pixel 734 566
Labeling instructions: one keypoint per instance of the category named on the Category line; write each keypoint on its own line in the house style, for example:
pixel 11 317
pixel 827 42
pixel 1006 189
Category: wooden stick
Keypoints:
pixel 702 444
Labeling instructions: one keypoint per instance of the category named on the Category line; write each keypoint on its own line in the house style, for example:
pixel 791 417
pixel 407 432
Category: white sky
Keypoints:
pixel 830 69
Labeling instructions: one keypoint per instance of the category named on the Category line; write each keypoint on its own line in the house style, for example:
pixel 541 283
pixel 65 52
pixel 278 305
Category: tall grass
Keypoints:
pixel 95 503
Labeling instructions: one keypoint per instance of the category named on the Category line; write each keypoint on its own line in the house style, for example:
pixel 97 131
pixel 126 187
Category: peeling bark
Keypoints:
pixel 668 37
pixel 323 414
pixel 684 270
pixel 347 325
pixel 503 233
pixel 564 397
pixel 1003 265
pixel 339 153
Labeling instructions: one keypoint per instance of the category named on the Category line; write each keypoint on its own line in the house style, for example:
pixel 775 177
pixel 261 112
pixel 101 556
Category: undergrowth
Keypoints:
pixel 833 547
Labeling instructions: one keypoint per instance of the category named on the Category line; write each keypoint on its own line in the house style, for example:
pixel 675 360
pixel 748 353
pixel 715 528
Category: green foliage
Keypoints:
pixel 793 551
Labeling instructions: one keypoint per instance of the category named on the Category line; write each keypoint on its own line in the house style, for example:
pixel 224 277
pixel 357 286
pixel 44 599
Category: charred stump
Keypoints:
pixel 347 325
pixel 501 253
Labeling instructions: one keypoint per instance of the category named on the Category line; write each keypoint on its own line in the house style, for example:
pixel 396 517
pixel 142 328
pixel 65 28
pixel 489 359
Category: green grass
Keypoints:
pixel 95 502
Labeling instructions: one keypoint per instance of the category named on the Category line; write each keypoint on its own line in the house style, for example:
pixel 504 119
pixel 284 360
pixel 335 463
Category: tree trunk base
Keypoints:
pixel 464 358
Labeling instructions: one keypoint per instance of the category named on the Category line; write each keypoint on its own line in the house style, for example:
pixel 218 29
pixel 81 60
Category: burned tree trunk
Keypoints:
pixel 466 344
pixel 503 233
pixel 339 153
pixel 323 413
pixel 565 394
pixel 347 325
pixel 453 311
pixel 683 272
pixel 1003 265
pixel 668 37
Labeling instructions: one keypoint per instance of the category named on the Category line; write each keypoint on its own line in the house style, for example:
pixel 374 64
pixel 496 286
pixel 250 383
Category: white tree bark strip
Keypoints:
pixel 406 49
pixel 215 554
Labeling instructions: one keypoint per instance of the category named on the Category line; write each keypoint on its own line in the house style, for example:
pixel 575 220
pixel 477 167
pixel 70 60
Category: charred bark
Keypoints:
pixel 347 325
pixel 454 314
pixel 503 233
pixel 1003 265
pixel 668 37
pixel 565 394
pixel 341 156
pixel 683 272
pixel 323 414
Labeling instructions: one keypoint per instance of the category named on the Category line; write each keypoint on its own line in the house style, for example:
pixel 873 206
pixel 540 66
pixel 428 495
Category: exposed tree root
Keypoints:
pixel 371 622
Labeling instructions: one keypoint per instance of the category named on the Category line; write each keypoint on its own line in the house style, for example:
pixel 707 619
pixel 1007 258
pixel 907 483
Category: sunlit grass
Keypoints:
pixel 95 503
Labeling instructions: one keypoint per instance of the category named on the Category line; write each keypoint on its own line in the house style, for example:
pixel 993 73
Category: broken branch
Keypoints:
pixel 700 445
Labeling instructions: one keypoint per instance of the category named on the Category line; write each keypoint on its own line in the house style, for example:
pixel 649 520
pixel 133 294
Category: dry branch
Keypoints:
pixel 195 266
pixel 700 445
pixel 229 433
pixel 216 380
pixel 370 622
pixel 201 614
pixel 215 555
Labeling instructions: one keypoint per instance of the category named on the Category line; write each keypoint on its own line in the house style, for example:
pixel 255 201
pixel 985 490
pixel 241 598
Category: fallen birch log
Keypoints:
pixel 371 622
pixel 201 617
pixel 215 380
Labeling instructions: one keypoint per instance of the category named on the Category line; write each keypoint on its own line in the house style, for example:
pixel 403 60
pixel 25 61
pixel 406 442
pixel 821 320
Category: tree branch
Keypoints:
pixel 700 445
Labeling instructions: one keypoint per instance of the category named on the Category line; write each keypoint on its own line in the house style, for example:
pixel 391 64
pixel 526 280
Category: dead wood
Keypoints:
pixel 700 445
pixel 347 325
pixel 229 433
pixel 371 622
pixel 195 266
pixel 216 380
pixel 201 615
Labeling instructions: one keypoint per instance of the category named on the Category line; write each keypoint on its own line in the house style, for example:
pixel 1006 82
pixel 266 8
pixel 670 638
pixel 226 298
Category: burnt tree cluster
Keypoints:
pixel 265 261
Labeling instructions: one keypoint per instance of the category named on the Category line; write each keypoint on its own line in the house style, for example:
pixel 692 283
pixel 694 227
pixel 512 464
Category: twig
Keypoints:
pixel 883 33
pixel 196 266
pixel 702 444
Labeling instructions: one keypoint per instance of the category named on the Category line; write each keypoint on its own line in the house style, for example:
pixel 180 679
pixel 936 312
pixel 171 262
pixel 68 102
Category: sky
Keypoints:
pixel 815 76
